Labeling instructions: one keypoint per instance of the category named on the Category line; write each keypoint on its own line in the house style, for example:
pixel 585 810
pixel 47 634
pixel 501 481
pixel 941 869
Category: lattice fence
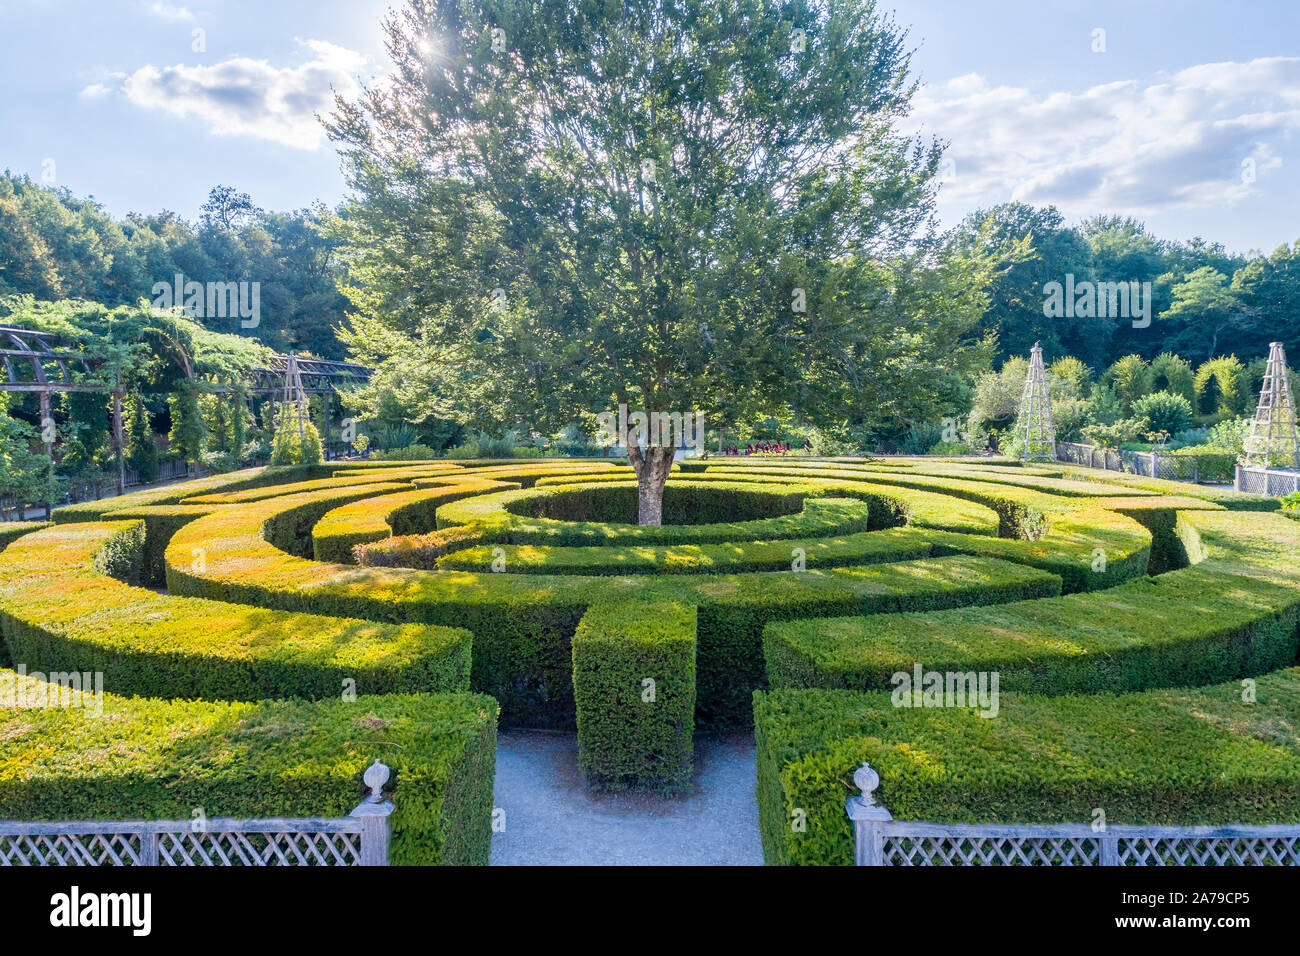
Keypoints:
pixel 1209 467
pixel 301 842
pixel 906 843
pixel 884 841
pixel 1264 481
pixel 359 839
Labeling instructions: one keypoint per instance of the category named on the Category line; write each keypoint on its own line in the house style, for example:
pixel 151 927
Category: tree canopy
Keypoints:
pixel 677 206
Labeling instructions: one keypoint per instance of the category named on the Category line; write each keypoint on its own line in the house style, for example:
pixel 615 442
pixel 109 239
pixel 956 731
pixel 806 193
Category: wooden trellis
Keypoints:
pixel 37 362
pixel 1035 421
pixel 26 350
pixel 1273 435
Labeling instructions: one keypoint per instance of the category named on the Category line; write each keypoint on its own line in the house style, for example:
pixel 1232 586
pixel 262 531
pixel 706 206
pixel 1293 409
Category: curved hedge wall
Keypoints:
pixel 812 582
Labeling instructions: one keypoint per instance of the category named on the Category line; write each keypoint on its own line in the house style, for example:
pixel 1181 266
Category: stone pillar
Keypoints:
pixel 868 817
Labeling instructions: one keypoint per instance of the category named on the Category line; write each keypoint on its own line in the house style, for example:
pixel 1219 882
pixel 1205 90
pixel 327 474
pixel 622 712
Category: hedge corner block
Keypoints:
pixel 634 687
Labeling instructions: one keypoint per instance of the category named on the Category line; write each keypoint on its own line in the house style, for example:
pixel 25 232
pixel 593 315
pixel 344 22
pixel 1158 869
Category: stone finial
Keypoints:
pixel 866 779
pixel 375 777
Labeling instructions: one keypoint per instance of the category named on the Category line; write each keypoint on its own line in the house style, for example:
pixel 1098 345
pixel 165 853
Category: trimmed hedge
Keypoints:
pixel 61 611
pixel 13 530
pixel 1232 500
pixel 500 519
pixel 278 491
pixel 162 760
pixel 400 513
pixel 913 506
pixel 1179 756
pixel 1091 550
pixel 160 523
pixel 634 690
pixel 1234 613
pixel 173 494
pixel 523 624
pixel 868 547
pixel 417 551
pixel 1187 627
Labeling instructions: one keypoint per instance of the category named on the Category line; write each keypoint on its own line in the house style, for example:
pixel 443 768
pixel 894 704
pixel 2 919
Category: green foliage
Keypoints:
pixel 1221 388
pixel 483 445
pixel 1163 412
pixel 634 690
pixel 265 759
pixel 1059 645
pixel 1186 756
pixel 1014 312
pixel 1111 437
pixel 1169 373
pixel 24 473
pixel 997 397
pixel 527 297
pixel 54 245
pixel 295 447
pixel 63 609
pixel 1130 376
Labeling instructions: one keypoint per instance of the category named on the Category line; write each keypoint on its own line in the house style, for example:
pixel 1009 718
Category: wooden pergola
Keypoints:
pixel 38 362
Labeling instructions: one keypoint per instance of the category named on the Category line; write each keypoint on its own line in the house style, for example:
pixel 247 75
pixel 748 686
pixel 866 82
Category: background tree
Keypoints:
pixel 686 205
pixel 1205 307
pixel 1015 303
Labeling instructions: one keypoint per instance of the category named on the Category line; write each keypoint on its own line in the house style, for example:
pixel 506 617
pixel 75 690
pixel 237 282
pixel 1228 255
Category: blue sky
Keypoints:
pixel 1184 113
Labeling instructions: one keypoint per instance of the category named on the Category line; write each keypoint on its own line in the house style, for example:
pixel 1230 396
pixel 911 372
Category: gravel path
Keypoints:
pixel 552 819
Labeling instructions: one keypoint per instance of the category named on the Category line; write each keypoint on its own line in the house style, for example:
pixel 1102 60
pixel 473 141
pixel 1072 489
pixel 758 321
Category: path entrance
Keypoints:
pixel 552 819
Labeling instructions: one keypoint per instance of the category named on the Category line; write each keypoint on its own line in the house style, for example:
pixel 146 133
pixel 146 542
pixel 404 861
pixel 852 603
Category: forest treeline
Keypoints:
pixel 54 246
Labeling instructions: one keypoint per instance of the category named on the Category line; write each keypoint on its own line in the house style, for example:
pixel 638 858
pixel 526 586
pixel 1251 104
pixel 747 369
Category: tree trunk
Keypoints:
pixel 652 466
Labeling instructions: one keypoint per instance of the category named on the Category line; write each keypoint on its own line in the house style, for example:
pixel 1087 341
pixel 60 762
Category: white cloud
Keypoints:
pixel 246 97
pixel 171 11
pixel 95 91
pixel 1128 146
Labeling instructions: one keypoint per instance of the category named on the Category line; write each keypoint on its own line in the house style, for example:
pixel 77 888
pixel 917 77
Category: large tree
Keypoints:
pixel 678 205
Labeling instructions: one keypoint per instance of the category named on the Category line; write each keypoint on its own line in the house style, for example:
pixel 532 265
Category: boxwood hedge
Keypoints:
pixel 166 759
pixel 1178 756
pixel 61 611
pixel 634 690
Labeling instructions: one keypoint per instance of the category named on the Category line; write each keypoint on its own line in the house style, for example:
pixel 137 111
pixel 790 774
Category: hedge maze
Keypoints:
pixel 265 635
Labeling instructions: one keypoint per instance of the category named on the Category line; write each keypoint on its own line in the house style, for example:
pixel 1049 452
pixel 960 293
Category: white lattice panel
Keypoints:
pixel 259 849
pixel 989 851
pixel 1203 851
pixel 65 849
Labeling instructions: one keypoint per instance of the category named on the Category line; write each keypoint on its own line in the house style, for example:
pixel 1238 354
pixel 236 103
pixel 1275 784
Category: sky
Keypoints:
pixel 1182 113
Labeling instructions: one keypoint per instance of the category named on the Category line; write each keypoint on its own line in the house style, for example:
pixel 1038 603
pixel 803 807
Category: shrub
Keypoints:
pixel 1169 373
pixel 1169 757
pixel 1163 411
pixel 406 453
pixel 1222 388
pixel 1132 637
pixel 634 691
pixel 60 610
pixel 372 519
pixel 1112 436
pixel 291 448
pixel 523 624
pixel 13 530
pixel 1130 376
pixel 264 759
